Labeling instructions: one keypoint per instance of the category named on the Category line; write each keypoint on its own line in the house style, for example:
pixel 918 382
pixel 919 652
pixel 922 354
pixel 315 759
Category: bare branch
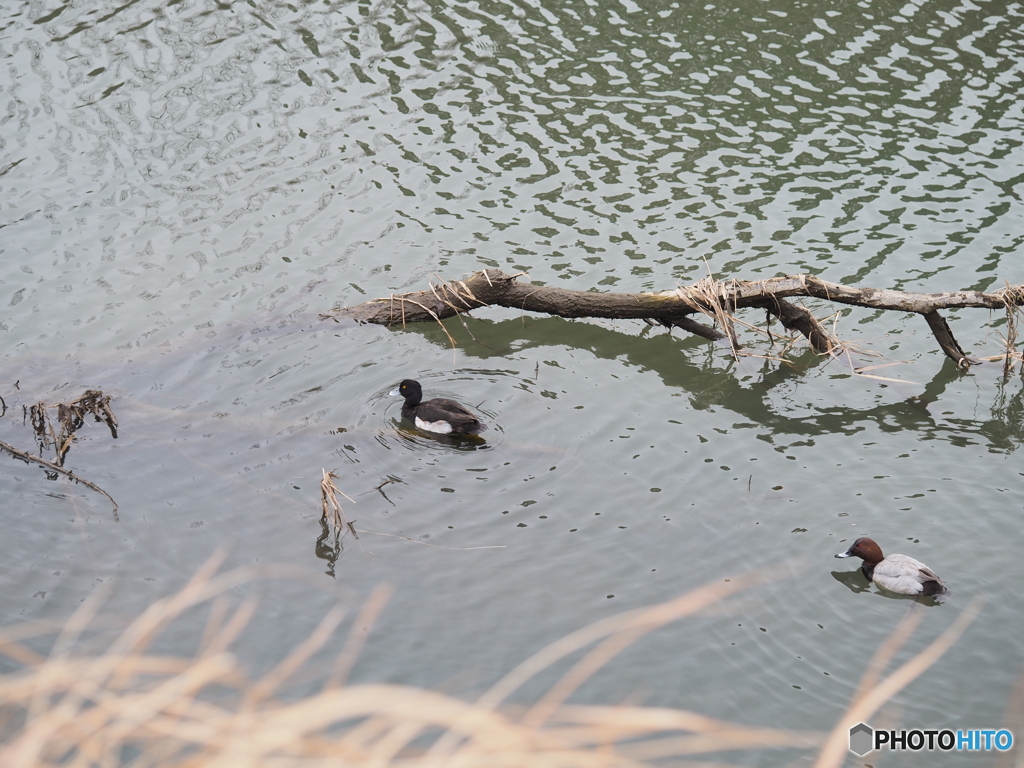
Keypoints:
pixel 717 299
pixel 33 459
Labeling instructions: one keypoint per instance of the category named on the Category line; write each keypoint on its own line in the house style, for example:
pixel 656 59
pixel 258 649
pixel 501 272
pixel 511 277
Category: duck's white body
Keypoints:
pixel 896 573
pixel 904 574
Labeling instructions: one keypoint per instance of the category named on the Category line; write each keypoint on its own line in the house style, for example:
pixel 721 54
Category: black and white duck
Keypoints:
pixel 440 415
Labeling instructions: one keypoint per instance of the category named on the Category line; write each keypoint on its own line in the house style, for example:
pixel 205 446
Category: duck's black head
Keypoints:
pixel 411 391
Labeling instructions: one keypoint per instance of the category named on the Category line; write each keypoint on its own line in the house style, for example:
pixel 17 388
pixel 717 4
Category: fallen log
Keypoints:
pixel 715 299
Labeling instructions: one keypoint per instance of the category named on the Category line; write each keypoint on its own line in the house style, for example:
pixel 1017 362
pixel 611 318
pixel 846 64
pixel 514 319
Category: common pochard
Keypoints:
pixel 896 573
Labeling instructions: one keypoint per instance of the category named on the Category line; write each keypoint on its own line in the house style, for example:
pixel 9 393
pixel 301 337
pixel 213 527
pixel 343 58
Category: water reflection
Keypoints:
pixel 855 581
pixel 412 438
pixel 762 393
pixel 328 544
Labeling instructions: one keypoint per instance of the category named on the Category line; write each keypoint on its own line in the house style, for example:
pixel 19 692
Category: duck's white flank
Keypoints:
pixel 441 427
pixel 903 574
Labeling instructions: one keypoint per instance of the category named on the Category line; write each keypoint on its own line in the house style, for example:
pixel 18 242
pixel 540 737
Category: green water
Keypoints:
pixel 184 187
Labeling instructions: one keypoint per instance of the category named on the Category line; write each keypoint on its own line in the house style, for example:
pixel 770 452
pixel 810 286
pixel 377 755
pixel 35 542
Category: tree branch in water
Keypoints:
pixel 33 459
pixel 716 299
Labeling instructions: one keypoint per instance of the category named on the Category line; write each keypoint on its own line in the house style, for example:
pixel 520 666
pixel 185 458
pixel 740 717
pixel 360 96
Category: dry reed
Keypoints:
pixel 129 706
pixel 710 297
pixel 332 509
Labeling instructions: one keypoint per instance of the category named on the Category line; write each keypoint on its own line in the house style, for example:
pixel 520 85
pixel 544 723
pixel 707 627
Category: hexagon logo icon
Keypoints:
pixel 861 738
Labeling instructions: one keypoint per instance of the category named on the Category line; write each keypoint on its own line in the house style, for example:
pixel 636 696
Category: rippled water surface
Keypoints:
pixel 186 186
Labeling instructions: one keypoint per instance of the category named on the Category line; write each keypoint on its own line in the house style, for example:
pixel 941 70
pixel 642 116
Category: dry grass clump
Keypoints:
pixel 130 706
pixel 332 510
pixel 71 417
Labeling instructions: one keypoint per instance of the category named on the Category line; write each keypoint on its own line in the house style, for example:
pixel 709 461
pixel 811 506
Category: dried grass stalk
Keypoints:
pixel 710 297
pixel 332 509
pixel 126 706
pixel 1010 339
pixel 873 693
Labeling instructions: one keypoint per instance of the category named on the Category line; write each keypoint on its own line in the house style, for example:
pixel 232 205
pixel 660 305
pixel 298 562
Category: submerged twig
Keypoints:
pixel 428 544
pixel 380 488
pixel 28 457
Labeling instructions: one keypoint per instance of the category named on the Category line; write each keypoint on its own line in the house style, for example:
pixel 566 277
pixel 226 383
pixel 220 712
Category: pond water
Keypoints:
pixel 186 186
